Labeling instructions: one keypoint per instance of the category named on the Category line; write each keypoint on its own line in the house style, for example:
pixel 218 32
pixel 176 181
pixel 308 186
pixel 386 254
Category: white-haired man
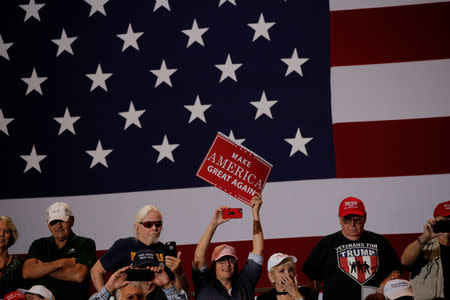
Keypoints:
pixel 147 227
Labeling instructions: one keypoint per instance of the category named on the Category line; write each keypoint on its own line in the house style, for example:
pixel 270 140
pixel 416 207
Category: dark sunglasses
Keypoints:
pixel 225 259
pixel 149 224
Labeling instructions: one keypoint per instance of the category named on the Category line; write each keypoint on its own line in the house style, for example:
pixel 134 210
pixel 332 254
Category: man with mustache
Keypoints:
pixel 147 226
pixel 62 261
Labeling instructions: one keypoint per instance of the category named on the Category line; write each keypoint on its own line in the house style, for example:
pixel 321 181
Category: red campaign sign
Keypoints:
pixel 234 169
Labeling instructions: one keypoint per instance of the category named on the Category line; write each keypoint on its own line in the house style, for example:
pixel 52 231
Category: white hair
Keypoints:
pixel 143 212
pixel 134 283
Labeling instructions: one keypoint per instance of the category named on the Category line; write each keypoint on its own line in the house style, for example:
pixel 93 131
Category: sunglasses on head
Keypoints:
pixel 149 224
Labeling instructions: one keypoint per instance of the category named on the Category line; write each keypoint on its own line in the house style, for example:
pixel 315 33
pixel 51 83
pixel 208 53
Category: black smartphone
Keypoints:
pixel 441 226
pixel 171 249
pixel 138 274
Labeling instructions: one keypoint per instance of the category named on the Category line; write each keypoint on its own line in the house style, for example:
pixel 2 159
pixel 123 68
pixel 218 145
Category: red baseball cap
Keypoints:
pixel 442 209
pixel 16 295
pixel 351 206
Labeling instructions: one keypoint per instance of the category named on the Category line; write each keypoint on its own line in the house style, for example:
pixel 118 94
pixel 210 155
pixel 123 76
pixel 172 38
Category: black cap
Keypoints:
pixel 144 258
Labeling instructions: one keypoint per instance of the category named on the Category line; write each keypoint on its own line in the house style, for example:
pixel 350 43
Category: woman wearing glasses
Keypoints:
pixel 222 280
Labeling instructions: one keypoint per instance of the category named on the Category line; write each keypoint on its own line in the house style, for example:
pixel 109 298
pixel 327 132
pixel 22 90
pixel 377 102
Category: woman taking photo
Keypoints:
pixel 222 280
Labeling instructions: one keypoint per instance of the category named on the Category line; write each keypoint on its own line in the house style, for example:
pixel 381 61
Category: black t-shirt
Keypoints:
pixel 122 252
pixel 83 249
pixel 272 294
pixel 445 259
pixel 207 287
pixel 346 265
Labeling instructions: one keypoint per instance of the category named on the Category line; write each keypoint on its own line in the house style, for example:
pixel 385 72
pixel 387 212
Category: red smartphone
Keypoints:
pixel 232 213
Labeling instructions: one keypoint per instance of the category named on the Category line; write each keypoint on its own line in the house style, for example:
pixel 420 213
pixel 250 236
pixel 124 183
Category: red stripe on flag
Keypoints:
pixel 392 148
pixel 390 34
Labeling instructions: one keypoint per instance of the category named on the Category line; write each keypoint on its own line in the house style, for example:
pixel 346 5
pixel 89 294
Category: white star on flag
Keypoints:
pixel 99 155
pixel 34 82
pixel 294 63
pixel 228 69
pixel 298 143
pixel 197 110
pixel 195 34
pixel 263 106
pixel 261 28
pixel 4 48
pixel 98 79
pixel 163 74
pixel 33 160
pixel 237 141
pixel 130 38
pixel 64 43
pixel 32 10
pixel 66 122
pixel 163 3
pixel 132 116
pixel 97 6
pixel 165 150
pixel 223 1
pixel 4 122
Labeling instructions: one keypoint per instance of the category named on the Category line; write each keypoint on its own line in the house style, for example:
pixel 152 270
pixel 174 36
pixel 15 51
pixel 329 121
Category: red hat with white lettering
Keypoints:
pixel 16 295
pixel 351 206
pixel 442 209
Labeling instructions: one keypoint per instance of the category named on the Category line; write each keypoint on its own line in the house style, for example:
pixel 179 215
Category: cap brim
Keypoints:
pixel 60 218
pixel 353 212
pixel 226 254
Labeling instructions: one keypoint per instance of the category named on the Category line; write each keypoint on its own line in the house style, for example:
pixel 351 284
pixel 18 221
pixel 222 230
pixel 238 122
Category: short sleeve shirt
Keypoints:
pixel 346 265
pixel 81 248
pixel 122 252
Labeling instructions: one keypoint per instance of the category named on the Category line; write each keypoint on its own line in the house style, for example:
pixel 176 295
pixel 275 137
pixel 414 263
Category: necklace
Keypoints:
pixel 5 263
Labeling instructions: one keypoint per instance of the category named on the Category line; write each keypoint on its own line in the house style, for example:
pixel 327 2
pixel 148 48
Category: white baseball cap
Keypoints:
pixel 58 211
pixel 39 290
pixel 397 288
pixel 277 258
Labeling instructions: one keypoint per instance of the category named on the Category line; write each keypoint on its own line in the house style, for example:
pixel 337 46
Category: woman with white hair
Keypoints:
pixel 283 275
pixel 10 266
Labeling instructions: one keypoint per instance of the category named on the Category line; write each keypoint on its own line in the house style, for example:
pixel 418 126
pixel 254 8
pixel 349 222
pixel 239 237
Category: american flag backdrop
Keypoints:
pixel 111 105
pixel 122 96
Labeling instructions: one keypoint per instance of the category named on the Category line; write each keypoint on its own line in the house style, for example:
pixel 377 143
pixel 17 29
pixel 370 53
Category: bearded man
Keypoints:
pixel 147 227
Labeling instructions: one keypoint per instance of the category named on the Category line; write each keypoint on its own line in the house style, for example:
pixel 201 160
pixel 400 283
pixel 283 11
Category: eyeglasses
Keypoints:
pixel 350 220
pixel 224 260
pixel 149 224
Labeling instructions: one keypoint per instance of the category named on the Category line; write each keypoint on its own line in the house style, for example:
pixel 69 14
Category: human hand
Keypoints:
pixel 117 280
pixel 428 232
pixel 290 285
pixel 174 264
pixel 67 262
pixel 217 216
pixel 255 204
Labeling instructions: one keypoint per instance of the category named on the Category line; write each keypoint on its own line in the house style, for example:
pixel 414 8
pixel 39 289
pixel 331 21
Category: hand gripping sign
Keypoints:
pixel 234 169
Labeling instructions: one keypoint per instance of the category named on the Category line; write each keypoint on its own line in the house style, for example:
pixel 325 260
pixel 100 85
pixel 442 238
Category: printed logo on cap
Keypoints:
pixel 351 204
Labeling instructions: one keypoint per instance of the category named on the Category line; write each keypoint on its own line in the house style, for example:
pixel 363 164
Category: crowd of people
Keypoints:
pixel 350 264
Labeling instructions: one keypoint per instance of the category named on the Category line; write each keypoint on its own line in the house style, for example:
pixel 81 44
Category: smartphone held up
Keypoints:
pixel 232 213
